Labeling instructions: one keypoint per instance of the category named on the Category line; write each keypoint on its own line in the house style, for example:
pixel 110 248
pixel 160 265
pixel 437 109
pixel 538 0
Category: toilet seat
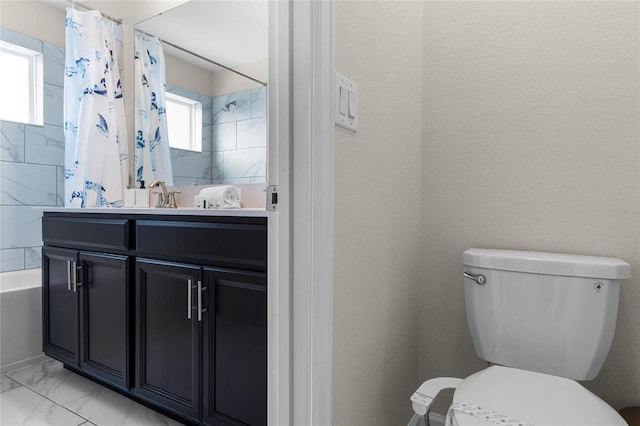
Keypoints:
pixel 534 398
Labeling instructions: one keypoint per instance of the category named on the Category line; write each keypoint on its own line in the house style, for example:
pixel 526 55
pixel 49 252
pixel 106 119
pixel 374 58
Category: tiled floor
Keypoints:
pixel 47 394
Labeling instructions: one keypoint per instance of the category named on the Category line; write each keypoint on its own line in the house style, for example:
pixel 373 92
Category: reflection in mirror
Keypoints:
pixel 216 63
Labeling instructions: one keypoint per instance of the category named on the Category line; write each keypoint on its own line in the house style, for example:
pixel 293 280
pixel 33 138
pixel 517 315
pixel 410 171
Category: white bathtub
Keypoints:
pixel 20 319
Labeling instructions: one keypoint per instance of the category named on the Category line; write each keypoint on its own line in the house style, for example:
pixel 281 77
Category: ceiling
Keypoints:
pixel 231 32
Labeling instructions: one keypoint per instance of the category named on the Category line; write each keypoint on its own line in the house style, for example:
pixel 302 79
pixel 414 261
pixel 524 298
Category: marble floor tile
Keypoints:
pixel 22 406
pixel 105 406
pixel 52 381
pixel 7 384
pixel 50 395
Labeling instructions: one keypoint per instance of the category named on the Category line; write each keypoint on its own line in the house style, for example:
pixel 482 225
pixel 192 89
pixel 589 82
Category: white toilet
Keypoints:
pixel 543 321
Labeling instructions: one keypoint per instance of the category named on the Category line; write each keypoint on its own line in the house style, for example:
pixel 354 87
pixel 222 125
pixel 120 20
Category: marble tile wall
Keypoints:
pixel 233 142
pixel 31 164
pixel 239 137
pixel 194 167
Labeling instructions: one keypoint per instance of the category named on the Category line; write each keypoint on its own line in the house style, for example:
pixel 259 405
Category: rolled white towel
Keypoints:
pixel 222 197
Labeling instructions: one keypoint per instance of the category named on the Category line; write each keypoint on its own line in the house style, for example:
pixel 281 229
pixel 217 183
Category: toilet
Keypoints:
pixel 543 321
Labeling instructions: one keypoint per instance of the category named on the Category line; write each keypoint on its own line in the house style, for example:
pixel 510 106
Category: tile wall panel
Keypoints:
pixel 32 257
pixel 224 136
pixel 23 184
pixel 11 260
pixel 21 227
pixel 53 64
pixel 32 164
pixel 44 145
pixel 12 141
pixel 244 163
pixel 252 133
pixel 53 102
pixel 259 102
pixel 238 105
pixel 239 137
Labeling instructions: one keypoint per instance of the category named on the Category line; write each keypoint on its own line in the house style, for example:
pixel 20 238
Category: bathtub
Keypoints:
pixel 20 319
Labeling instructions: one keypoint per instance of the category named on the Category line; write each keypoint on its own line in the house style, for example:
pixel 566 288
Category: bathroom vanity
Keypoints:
pixel 168 309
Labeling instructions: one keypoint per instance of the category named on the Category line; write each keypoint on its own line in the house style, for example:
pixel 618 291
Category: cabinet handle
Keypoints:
pixel 200 309
pixel 68 275
pixel 77 270
pixel 74 276
pixel 189 283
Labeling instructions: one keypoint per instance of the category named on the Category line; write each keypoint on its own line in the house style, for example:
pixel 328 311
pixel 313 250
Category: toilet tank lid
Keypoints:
pixel 570 265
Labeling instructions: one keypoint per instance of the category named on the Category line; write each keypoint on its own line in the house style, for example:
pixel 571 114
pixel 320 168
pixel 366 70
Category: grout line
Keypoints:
pixel 44 396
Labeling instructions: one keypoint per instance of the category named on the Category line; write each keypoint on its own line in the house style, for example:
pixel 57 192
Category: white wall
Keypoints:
pixel 377 214
pixel 530 117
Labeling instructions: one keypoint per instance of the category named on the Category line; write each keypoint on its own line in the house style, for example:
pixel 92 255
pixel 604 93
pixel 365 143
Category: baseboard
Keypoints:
pixel 19 364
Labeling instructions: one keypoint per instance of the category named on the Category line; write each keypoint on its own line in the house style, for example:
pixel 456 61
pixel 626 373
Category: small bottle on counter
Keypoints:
pixel 142 196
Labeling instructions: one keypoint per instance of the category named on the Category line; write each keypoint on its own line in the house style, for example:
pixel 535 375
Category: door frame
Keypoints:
pixel 300 242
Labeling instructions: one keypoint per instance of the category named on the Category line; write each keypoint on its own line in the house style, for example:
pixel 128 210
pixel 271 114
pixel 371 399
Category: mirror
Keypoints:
pixel 216 55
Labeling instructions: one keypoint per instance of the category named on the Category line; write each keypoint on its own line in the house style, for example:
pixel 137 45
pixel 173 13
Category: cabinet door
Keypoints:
pixel 104 323
pixel 168 341
pixel 235 347
pixel 60 305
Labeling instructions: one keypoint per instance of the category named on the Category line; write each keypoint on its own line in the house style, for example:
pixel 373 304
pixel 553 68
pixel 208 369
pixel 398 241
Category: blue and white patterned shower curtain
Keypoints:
pixel 96 148
pixel 152 155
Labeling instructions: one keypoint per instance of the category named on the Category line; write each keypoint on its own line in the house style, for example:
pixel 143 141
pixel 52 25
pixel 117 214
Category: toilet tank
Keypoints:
pixel 545 312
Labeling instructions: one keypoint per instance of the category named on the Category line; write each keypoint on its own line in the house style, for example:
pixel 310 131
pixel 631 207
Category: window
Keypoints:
pixel 184 120
pixel 21 86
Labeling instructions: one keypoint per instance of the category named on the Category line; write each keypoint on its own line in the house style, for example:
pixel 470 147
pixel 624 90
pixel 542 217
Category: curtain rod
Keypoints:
pixel 203 58
pixel 104 15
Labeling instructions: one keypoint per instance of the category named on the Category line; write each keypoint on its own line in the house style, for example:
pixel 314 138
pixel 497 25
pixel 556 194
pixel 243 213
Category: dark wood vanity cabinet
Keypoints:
pixel 202 342
pixel 168 342
pixel 85 312
pixel 235 379
pixel 173 310
pixel 212 313
pixel 60 303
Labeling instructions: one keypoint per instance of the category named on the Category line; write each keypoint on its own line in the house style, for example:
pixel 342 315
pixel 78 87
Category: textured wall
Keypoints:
pixel 377 214
pixel 530 116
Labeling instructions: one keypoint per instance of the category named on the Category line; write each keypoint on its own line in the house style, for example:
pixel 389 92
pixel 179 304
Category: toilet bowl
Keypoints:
pixel 544 321
pixel 527 398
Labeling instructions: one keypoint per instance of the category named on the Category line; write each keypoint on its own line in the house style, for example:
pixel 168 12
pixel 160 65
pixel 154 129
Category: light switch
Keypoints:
pixel 352 105
pixel 346 95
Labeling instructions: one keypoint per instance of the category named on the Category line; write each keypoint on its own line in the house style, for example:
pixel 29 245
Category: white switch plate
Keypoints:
pixel 347 105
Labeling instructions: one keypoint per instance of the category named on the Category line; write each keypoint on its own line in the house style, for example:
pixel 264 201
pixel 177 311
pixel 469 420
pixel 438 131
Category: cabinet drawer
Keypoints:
pixel 233 245
pixel 86 232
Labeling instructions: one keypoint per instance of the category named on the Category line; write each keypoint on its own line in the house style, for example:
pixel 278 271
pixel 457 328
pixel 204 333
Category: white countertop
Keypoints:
pixel 181 211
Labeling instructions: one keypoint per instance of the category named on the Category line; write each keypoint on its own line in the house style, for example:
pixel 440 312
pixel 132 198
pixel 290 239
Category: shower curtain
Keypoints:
pixel 96 148
pixel 152 154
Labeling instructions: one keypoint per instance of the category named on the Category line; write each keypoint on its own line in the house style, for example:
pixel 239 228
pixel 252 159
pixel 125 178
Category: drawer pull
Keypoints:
pixel 189 284
pixel 77 270
pixel 68 275
pixel 200 289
